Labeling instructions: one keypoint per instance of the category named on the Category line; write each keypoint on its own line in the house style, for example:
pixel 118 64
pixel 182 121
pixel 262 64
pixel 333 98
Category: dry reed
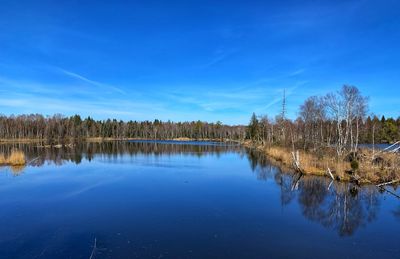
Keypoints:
pixel 16 158
pixel 3 159
pixel 317 163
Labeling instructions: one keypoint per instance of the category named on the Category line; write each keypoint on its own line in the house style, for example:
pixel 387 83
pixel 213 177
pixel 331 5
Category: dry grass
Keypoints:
pixel 3 159
pixel 386 170
pixel 317 163
pixel 21 140
pixel 310 163
pixel 16 158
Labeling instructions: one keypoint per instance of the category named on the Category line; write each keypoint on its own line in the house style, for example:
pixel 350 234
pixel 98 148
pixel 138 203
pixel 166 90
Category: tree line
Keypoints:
pixel 339 120
pixel 58 128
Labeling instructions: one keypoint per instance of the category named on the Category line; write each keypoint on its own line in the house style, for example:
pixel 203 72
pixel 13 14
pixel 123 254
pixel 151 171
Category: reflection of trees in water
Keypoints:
pixel 341 207
pixel 396 212
pixel 285 181
pixel 264 169
pixel 38 155
pixel 260 165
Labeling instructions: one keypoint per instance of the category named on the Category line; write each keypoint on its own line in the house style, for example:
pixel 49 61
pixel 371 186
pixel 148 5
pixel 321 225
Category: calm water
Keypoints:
pixel 184 200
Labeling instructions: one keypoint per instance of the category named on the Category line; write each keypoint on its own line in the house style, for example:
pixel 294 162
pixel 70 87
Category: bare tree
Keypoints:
pixel 312 113
pixel 334 106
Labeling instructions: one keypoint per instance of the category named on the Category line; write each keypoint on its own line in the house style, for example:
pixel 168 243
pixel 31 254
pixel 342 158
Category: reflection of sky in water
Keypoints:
pixel 149 200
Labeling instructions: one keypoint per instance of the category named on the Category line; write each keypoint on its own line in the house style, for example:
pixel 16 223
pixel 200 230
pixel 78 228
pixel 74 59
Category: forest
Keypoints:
pixel 339 119
pixel 58 128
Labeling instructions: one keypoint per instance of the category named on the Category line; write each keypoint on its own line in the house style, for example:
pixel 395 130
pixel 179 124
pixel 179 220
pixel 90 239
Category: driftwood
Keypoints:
pixel 381 186
pixel 388 183
pixel 33 160
pixel 388 191
pixel 329 172
pixel 388 149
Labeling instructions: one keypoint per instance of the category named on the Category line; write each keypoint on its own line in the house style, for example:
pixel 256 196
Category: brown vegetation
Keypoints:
pixel 3 159
pixel 380 168
pixel 16 158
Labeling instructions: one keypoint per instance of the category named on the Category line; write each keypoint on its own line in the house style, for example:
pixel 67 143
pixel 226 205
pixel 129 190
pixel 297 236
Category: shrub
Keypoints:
pixel 354 165
pixel 16 158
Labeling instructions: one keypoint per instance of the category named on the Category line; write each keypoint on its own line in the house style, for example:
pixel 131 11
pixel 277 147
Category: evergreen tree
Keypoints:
pixel 253 128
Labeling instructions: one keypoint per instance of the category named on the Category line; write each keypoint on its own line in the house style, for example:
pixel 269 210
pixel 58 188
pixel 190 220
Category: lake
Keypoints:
pixel 149 199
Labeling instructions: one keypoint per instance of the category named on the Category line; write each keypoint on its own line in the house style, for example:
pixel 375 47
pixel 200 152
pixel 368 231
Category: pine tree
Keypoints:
pixel 253 128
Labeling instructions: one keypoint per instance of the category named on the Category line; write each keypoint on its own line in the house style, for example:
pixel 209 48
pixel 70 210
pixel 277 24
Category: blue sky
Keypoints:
pixel 190 60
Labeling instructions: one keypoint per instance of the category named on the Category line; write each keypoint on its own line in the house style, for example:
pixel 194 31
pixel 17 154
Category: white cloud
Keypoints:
pixel 92 82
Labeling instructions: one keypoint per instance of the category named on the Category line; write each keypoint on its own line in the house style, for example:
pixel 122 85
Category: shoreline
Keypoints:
pixel 308 165
pixel 317 164
pixel 99 139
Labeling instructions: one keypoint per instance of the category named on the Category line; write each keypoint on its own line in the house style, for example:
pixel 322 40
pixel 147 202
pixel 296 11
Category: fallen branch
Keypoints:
pixel 33 160
pixel 330 173
pixel 395 150
pixel 388 191
pixel 388 183
pixel 388 148
pixel 382 187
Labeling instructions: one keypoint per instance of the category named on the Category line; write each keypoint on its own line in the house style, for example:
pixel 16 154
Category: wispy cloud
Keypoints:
pixel 86 96
pixel 240 99
pixel 219 57
pixel 297 72
pixel 114 108
pixel 92 82
pixel 30 96
pixel 287 91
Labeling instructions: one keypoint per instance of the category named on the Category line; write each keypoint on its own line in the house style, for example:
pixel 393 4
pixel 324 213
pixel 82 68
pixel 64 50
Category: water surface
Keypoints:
pixel 184 200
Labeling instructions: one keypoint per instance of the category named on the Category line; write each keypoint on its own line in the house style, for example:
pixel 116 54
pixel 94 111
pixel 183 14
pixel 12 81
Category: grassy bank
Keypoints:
pixel 21 140
pixel 363 166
